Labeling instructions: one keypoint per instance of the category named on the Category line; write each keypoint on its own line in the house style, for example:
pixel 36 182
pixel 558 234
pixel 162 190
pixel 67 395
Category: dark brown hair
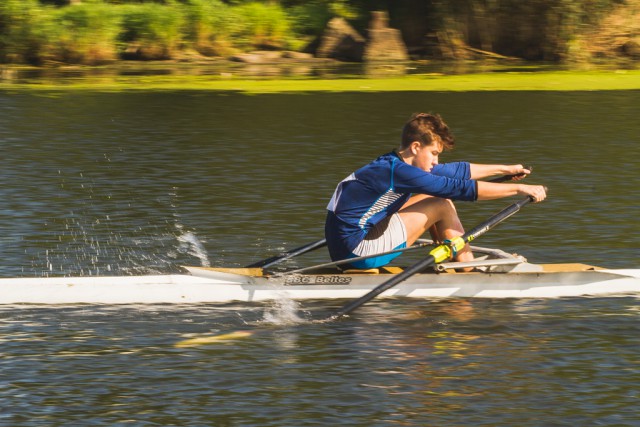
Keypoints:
pixel 427 128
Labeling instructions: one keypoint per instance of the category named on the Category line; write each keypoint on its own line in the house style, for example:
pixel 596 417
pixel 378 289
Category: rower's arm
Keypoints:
pixel 479 171
pixel 491 190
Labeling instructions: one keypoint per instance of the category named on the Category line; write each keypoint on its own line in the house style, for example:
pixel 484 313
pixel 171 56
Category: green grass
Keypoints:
pixel 517 81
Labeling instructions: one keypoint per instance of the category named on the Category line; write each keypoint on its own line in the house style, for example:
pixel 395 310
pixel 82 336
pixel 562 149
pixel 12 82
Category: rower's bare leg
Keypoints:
pixel 433 230
pixel 422 213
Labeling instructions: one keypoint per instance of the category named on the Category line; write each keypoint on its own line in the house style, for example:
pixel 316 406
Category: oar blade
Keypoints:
pixel 214 339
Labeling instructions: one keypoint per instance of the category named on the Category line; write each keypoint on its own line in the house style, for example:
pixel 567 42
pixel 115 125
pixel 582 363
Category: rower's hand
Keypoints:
pixel 518 172
pixel 537 192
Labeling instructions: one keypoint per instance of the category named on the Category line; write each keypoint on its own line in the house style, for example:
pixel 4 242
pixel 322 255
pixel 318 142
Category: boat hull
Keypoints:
pixel 213 286
pixel 541 284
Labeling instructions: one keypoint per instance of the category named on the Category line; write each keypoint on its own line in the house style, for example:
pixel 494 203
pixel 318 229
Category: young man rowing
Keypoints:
pixel 395 199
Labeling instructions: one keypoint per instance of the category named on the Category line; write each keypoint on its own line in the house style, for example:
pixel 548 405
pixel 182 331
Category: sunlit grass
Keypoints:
pixel 516 81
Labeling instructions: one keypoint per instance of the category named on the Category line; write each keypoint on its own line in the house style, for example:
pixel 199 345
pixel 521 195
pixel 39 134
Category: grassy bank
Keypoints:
pixel 516 81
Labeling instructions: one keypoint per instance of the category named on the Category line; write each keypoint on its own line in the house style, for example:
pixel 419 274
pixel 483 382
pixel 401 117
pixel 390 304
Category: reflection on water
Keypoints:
pixel 318 68
pixel 485 362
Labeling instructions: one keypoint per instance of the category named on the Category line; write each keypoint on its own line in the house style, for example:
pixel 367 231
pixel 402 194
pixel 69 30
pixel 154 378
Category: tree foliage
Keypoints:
pixel 94 31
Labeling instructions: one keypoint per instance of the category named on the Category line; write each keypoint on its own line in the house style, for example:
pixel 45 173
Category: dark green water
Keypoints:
pixel 136 183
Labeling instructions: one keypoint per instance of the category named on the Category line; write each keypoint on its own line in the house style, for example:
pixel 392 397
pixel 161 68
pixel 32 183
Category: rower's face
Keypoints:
pixel 426 156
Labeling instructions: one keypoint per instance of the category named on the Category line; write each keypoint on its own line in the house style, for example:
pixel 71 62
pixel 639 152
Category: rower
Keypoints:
pixel 391 202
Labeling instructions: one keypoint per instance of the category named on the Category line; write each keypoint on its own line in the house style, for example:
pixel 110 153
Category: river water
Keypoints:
pixel 143 182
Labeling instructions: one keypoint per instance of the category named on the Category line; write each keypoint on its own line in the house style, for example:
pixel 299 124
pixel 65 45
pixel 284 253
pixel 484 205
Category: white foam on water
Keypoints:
pixel 282 311
pixel 190 244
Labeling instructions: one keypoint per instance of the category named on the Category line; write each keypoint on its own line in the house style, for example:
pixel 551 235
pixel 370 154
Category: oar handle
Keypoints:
pixel 505 178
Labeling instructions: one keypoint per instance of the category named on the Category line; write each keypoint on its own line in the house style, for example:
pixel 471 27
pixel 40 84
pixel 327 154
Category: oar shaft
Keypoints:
pixel 400 277
pixel 289 254
pixel 356 259
pixel 496 219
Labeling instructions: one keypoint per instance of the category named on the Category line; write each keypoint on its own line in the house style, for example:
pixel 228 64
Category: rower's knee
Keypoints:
pixel 445 207
pixel 430 210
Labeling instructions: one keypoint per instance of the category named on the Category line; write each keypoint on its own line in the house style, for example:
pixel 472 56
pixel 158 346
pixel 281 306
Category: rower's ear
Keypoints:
pixel 415 147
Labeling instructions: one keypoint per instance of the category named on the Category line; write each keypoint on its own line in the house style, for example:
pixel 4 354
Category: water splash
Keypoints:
pixel 94 239
pixel 282 311
pixel 190 244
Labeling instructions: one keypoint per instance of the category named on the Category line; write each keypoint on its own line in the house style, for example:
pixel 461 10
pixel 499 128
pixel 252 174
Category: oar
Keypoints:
pixel 418 245
pixel 268 262
pixel 439 254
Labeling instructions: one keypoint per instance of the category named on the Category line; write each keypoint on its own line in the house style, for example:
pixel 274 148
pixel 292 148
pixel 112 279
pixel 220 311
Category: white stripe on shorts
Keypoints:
pixel 385 236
